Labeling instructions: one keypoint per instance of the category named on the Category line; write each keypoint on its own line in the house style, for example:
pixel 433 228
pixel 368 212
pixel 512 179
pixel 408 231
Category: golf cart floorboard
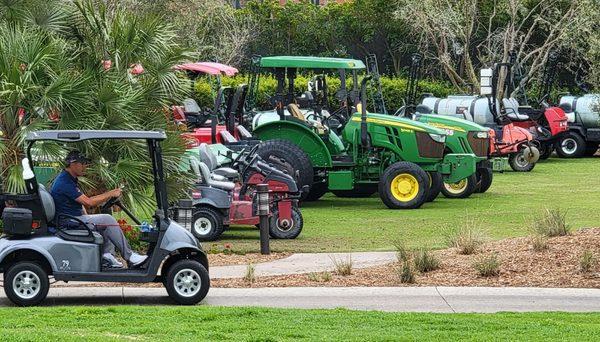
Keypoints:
pixel 119 275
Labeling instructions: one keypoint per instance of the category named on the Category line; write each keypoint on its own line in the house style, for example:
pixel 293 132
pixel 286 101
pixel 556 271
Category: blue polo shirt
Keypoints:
pixel 65 191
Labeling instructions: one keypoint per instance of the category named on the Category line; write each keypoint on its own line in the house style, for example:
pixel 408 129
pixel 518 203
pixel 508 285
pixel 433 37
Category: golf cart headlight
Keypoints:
pixel 438 137
pixel 482 135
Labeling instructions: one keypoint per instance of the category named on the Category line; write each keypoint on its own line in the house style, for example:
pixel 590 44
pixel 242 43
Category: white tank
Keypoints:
pixel 586 108
pixel 469 107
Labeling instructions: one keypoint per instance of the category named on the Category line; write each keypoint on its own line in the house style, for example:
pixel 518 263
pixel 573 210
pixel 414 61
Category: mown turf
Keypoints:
pixel 149 323
pixel 337 224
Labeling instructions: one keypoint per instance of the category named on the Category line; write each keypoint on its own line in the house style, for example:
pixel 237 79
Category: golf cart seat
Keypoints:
pixel 71 231
pixel 208 180
pixel 207 157
pixel 227 137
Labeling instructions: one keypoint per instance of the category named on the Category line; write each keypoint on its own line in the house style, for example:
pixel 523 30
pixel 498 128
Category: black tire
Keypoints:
pixel 276 232
pixel 198 276
pixel 415 186
pixel 26 283
pixel 285 152
pixel 317 191
pixel 207 224
pixel 359 191
pixel 545 150
pixel 518 162
pixel 485 176
pixel 571 145
pixel 591 149
pixel 460 189
pixel 435 185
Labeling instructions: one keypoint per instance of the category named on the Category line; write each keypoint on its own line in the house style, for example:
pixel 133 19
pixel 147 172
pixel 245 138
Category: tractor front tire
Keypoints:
pixel 276 231
pixel 435 185
pixel 461 189
pixel 485 176
pixel 404 185
pixel 279 151
pixel 571 145
pixel 359 191
pixel 317 190
pixel 207 224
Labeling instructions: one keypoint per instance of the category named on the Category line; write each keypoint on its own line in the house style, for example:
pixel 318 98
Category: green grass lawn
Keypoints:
pixel 252 324
pixel 506 210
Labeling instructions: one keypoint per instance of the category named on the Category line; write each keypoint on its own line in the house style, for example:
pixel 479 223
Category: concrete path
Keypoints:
pixel 304 263
pixel 400 299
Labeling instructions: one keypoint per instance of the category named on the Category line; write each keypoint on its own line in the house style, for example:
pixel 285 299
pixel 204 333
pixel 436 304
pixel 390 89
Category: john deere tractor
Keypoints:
pixel 349 150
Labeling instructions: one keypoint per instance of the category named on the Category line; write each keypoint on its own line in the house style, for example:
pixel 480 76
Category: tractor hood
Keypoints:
pixel 399 122
pixel 451 123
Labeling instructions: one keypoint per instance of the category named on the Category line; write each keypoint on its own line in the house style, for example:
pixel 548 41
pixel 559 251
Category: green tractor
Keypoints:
pixel 349 151
pixel 464 136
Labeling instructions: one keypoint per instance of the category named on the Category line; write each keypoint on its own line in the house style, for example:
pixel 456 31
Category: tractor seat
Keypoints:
pixel 208 180
pixel 190 106
pixel 69 233
pixel 243 132
pixel 512 110
pixel 297 113
pixel 207 157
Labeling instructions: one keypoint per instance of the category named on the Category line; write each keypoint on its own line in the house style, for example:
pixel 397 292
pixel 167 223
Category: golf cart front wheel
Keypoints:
pixel 187 282
pixel 286 229
pixel 207 224
pixel 26 283
pixel 404 185
pixel 461 189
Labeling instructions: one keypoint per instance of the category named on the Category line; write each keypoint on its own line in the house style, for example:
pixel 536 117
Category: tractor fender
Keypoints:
pixel 300 135
pixel 213 197
pixel 208 202
pixel 9 246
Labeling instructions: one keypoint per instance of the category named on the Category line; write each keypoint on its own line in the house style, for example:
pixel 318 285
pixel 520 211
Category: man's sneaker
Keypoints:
pixel 111 261
pixel 137 259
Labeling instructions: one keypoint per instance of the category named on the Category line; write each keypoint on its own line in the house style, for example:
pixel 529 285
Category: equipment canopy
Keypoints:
pixel 79 135
pixel 311 62
pixel 209 68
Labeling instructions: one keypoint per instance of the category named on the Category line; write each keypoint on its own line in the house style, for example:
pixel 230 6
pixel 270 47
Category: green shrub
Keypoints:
pixel 550 223
pixel 250 276
pixel 466 239
pixel 402 253
pixel 487 266
pixel 406 272
pixel 539 242
pixel 343 267
pixel 588 261
pixel 425 261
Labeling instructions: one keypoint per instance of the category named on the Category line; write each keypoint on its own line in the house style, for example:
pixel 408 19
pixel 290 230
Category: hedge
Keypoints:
pixel 393 89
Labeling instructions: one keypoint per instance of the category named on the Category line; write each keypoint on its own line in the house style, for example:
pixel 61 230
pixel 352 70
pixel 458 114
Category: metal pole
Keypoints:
pixel 262 191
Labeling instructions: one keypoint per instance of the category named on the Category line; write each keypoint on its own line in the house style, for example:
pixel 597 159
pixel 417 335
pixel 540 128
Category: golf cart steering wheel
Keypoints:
pixel 110 203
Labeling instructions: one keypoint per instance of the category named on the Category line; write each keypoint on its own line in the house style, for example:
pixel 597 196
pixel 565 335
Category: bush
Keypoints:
pixel 402 253
pixel 587 261
pixel 343 267
pixel 539 242
pixel 319 277
pixel 550 223
pixel 487 266
pixel 425 261
pixel 250 276
pixel 406 273
pixel 466 239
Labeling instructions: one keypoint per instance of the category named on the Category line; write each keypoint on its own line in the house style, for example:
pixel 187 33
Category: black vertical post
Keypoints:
pixel 262 195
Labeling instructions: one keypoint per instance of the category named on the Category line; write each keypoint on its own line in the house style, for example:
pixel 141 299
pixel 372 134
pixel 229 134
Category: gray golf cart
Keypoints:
pixel 30 253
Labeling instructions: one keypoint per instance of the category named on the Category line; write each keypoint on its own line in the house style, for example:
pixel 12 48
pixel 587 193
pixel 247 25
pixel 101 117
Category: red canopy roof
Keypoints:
pixel 209 68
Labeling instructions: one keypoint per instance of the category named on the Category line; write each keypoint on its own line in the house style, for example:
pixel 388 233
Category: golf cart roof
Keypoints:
pixel 209 68
pixel 80 135
pixel 311 62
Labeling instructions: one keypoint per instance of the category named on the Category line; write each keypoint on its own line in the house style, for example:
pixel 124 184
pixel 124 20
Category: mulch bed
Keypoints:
pixel 558 266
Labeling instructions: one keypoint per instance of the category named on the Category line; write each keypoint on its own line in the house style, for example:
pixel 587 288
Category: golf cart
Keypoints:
pixel 37 243
pixel 225 196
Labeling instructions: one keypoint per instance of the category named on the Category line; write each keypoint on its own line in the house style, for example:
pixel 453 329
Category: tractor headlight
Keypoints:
pixel 482 135
pixel 438 137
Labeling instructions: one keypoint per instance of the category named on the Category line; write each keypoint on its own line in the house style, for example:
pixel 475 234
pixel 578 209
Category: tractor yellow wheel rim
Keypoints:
pixel 456 188
pixel 404 187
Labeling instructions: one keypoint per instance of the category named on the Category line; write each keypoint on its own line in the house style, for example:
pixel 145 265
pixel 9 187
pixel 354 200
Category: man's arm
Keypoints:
pixel 94 201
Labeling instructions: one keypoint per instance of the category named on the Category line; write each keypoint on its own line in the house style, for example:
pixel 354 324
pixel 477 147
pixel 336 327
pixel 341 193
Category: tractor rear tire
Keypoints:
pixel 435 185
pixel 359 191
pixel 571 145
pixel 317 190
pixel 461 189
pixel 485 176
pixel 277 232
pixel 279 150
pixel 404 185
pixel 546 150
pixel 591 149
pixel 207 224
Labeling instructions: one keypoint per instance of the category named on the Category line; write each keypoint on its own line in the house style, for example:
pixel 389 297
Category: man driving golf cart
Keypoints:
pixel 70 200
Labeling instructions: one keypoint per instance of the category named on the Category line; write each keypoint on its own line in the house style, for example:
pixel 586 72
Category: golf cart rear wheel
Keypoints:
pixel 435 185
pixel 485 176
pixel 207 224
pixel 570 145
pixel 26 283
pixel 317 190
pixel 187 282
pixel 286 230
pixel 404 185
pixel 461 189
pixel 359 191
pixel 284 154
